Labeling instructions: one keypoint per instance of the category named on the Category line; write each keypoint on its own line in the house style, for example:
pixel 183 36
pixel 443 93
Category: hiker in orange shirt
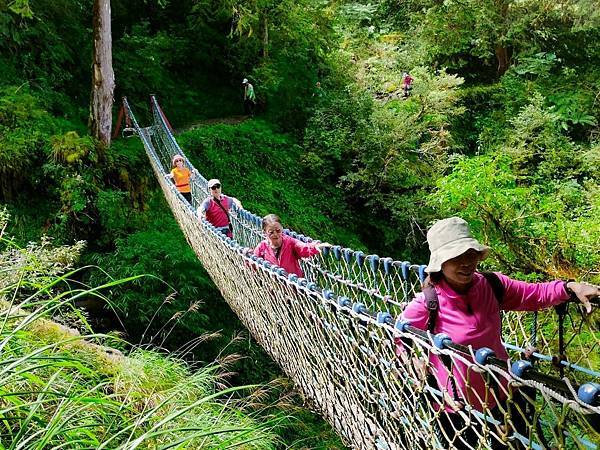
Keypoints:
pixel 181 177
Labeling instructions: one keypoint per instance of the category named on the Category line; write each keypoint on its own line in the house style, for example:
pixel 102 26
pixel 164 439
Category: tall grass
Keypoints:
pixel 63 389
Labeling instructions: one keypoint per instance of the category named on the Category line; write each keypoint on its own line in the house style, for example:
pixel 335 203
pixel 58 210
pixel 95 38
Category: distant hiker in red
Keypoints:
pixel 406 83
pixel 283 250
pixel 181 177
pixel 215 208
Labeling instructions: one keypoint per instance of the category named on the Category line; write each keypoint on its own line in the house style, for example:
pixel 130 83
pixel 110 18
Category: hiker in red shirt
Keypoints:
pixel 215 208
pixel 406 84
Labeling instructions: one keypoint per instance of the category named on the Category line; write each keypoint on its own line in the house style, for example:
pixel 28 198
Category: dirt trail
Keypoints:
pixel 231 120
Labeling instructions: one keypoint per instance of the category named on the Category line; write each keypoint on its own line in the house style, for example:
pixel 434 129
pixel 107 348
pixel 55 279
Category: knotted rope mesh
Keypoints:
pixel 371 376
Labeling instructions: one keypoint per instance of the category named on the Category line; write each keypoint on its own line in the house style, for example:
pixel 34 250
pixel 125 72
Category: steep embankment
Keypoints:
pixel 65 388
pixel 265 170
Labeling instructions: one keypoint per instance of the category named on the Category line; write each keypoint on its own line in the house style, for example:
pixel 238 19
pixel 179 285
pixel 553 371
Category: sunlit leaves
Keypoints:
pixel 21 7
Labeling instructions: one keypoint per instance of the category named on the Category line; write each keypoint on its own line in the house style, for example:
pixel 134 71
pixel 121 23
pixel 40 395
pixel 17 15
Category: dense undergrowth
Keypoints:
pixel 64 386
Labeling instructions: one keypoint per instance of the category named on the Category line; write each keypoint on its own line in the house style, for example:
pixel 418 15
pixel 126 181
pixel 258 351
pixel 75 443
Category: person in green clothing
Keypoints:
pixel 249 97
pixel 318 90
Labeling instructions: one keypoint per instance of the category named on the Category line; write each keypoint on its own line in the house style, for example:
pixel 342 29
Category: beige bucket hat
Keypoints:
pixel 449 238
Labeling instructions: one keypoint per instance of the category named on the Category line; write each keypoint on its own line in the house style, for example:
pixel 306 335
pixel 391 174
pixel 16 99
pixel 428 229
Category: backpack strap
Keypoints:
pixel 220 205
pixel 495 284
pixel 433 305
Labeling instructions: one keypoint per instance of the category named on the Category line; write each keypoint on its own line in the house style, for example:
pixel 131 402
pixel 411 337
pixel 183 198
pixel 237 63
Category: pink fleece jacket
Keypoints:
pixel 474 319
pixel 291 251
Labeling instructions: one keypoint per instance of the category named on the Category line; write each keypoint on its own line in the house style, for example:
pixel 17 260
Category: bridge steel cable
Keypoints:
pixel 335 333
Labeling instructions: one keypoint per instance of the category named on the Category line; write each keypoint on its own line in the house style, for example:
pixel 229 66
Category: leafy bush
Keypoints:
pixel 61 388
pixel 547 230
pixel 24 128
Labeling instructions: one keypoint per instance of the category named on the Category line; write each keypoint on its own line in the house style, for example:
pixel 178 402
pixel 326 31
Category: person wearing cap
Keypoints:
pixel 249 97
pixel 468 311
pixel 181 177
pixel 215 208
pixel 283 250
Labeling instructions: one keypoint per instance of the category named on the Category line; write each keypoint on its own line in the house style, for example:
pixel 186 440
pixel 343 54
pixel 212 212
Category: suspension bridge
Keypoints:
pixel 335 334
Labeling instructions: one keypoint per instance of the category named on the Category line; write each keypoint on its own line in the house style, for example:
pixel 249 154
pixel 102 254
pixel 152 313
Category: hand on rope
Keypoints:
pixel 321 245
pixel 415 364
pixel 420 365
pixel 456 405
pixel 583 292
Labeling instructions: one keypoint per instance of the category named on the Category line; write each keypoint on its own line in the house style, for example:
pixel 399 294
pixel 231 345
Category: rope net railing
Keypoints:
pixel 336 334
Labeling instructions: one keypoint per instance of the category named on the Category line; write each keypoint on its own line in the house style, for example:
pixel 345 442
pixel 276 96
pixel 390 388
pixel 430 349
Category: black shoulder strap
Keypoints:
pixel 218 202
pixel 433 305
pixel 495 284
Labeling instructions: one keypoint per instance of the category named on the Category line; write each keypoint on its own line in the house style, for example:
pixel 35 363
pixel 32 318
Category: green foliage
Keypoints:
pixel 20 7
pixel 540 151
pixel 280 46
pixel 61 388
pixel 144 60
pixel 45 46
pixel 71 149
pixel 156 247
pixel 262 168
pixel 548 229
pixel 541 113
pixel 334 135
pixel 539 64
pixel 42 160
pixel 409 146
pixel 531 198
pixel 24 128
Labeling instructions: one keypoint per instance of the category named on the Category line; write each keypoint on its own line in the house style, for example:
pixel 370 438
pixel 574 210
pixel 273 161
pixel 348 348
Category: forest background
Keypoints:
pixel 501 127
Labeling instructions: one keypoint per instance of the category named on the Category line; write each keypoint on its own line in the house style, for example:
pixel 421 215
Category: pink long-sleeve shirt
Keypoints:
pixel 291 251
pixel 474 319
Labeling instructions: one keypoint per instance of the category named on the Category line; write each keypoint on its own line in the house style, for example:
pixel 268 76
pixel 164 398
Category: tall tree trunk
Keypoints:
pixel 502 58
pixel 103 77
pixel 501 49
pixel 265 37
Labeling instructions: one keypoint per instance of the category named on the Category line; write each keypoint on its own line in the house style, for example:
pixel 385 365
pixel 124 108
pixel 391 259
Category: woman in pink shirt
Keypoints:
pixel 469 313
pixel 283 250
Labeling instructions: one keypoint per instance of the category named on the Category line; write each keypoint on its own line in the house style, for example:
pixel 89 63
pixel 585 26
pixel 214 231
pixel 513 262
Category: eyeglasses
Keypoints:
pixel 215 186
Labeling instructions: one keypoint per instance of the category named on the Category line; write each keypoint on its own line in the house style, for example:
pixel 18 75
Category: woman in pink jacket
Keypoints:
pixel 283 250
pixel 468 312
